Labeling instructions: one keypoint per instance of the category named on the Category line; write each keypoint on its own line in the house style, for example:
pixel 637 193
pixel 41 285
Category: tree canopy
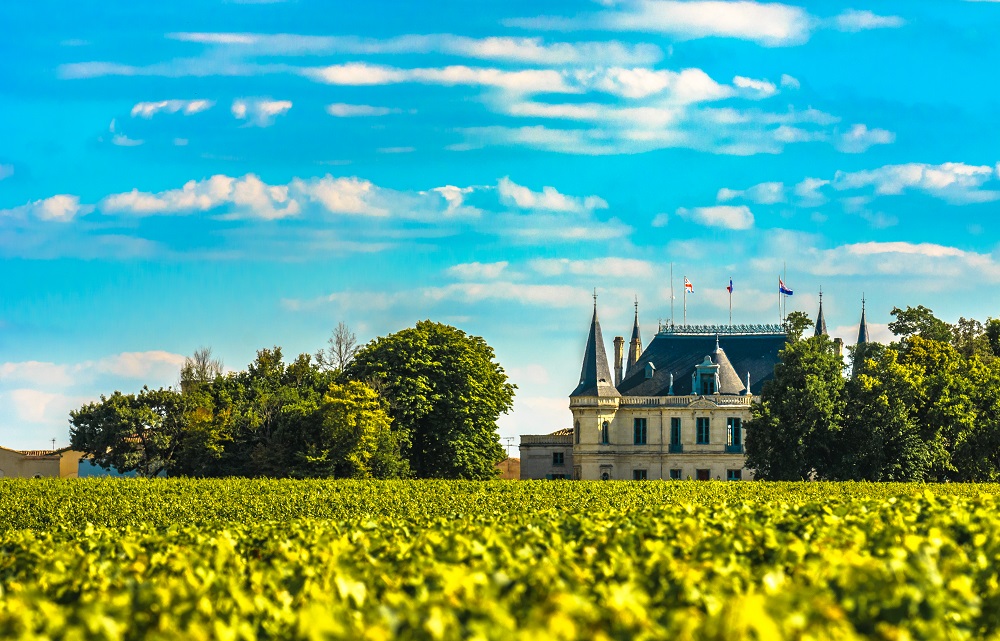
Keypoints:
pixel 422 401
pixel 444 392
pixel 924 408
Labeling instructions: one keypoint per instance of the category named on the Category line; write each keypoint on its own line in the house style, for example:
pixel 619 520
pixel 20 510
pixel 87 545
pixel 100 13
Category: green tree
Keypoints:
pixel 919 321
pixel 968 336
pixel 444 393
pixel 992 331
pixel 881 440
pixel 793 431
pixel 796 324
pixel 131 432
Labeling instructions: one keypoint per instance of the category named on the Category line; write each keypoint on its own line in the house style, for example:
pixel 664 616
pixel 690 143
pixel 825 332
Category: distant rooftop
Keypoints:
pixel 722 330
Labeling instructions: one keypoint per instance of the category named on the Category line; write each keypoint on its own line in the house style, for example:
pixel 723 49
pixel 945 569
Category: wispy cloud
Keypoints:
pixel 509 49
pixel 611 267
pixel 724 216
pixel 478 271
pixel 61 208
pixel 954 182
pixel 343 110
pixel 769 24
pixel 187 107
pixel 859 138
pixel 854 20
pixel 548 199
pixel 247 196
pixel 259 112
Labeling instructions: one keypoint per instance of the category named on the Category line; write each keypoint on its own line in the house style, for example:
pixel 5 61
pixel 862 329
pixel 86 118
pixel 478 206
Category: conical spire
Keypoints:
pixel 729 380
pixel 634 345
pixel 820 321
pixel 863 328
pixel 595 377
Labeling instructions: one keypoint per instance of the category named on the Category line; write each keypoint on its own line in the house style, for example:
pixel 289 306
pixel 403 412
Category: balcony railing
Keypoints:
pixel 684 401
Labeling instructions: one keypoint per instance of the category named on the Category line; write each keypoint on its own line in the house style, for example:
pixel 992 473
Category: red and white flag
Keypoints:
pixel 688 285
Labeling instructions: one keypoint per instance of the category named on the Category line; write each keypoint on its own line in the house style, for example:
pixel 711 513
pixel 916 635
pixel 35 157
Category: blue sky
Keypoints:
pixel 242 175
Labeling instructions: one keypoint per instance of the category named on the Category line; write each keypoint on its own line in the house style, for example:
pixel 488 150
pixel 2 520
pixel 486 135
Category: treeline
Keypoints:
pixel 422 402
pixel 925 407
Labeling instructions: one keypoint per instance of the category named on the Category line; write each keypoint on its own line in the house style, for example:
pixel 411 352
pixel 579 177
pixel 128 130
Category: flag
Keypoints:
pixel 688 285
pixel 782 289
pixel 730 288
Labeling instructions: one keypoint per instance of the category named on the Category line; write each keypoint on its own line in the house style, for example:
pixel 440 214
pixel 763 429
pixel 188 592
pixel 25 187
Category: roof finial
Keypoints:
pixel 595 299
pixel 716 341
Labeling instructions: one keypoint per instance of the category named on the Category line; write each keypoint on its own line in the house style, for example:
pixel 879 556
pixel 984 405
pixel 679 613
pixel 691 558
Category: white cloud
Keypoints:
pixel 61 208
pixel 122 140
pixel 859 138
pixel 517 50
pixel 478 271
pixel 249 195
pixel 549 198
pixel 602 267
pixel 156 364
pixel 37 406
pixel 808 191
pixel 259 112
pixel 789 82
pixel 36 373
pixel 957 183
pixel 725 216
pixel 455 197
pixel 462 293
pixel 767 193
pixel 341 195
pixel 364 74
pixel 755 88
pixel 854 20
pixel 188 107
pixel 661 219
pixel 343 110
pixel 6 171
pixel 768 24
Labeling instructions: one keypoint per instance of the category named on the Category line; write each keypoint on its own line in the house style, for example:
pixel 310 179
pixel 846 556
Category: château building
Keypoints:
pixel 672 410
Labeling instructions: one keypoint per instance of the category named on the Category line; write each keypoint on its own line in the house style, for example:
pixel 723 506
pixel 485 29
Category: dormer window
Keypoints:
pixel 650 370
pixel 706 378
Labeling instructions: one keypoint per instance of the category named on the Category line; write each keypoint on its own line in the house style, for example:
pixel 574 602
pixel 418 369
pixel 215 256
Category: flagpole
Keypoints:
pixel 780 319
pixel 685 301
pixel 671 294
pixel 730 301
pixel 784 296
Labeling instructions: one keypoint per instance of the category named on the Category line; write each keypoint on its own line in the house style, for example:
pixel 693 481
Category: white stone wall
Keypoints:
pixel 621 457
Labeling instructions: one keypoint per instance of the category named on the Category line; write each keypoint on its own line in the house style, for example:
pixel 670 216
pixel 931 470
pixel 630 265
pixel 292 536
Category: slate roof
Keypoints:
pixel 595 376
pixel 863 328
pixel 679 353
pixel 634 345
pixel 820 321
pixel 729 380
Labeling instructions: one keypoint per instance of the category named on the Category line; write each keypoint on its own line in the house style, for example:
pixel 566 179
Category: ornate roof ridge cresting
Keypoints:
pixel 724 330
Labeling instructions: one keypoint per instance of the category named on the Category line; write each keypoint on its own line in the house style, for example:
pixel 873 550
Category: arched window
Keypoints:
pixel 605 436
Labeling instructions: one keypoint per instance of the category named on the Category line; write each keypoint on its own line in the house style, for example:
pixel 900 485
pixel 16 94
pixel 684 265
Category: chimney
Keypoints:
pixel 619 354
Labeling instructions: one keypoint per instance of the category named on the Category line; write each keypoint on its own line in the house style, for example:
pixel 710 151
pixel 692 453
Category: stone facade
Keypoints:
pixel 548 456
pixel 658 437
pixel 39 463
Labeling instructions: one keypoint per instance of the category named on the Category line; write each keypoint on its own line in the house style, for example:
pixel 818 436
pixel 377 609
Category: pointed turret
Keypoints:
pixel 729 380
pixel 863 327
pixel 634 345
pixel 820 320
pixel 595 377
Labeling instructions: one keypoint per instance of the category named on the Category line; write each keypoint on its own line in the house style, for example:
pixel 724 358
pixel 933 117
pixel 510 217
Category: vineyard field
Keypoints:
pixel 245 559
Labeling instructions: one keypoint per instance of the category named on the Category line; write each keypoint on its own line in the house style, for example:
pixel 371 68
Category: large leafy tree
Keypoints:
pixel 794 429
pixel 445 393
pixel 919 321
pixel 881 440
pixel 131 432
